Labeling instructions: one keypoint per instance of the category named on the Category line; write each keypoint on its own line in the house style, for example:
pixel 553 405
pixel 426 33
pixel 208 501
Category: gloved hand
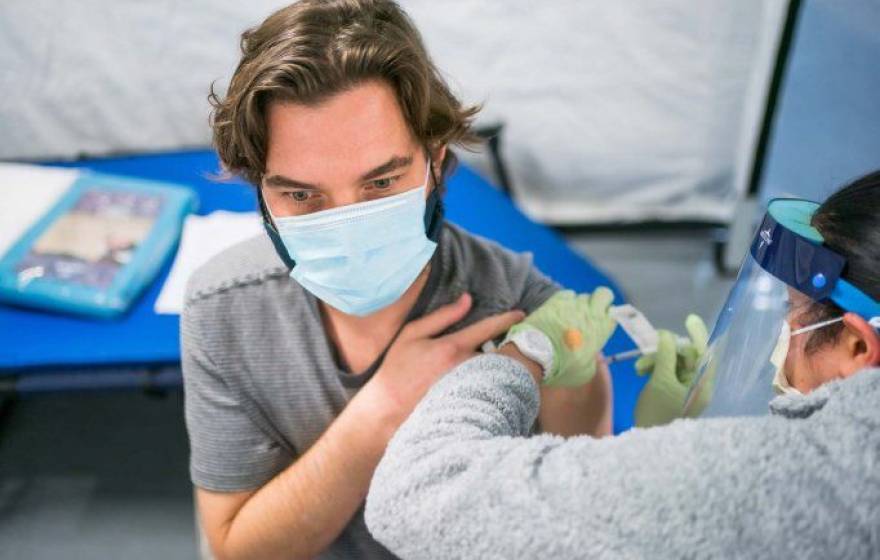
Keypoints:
pixel 576 327
pixel 672 369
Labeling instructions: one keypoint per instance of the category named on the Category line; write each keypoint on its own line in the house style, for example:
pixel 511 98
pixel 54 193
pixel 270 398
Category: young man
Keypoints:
pixel 306 348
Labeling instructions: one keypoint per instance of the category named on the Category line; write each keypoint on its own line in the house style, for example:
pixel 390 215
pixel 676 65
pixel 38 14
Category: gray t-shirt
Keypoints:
pixel 262 380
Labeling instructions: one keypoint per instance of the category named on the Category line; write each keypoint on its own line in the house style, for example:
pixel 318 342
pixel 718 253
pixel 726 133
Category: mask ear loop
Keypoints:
pixel 430 171
pixel 434 209
pixel 873 321
pixel 272 231
pixel 816 326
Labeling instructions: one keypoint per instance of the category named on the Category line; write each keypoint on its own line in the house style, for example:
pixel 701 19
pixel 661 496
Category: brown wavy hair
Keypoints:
pixel 314 49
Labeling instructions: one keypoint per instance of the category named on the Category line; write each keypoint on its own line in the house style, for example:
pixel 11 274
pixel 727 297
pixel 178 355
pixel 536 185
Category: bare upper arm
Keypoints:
pixel 585 410
pixel 216 511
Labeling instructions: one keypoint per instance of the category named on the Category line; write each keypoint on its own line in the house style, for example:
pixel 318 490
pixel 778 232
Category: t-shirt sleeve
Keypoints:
pixel 537 287
pixel 229 452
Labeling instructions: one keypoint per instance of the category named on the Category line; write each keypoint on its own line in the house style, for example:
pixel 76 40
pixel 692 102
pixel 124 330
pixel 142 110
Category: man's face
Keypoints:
pixel 354 147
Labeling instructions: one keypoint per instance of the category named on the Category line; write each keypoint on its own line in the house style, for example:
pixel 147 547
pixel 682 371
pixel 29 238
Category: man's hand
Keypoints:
pixel 305 507
pixel 419 357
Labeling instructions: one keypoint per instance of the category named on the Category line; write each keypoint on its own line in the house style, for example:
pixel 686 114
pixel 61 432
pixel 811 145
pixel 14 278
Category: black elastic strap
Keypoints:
pixel 434 212
pixel 273 233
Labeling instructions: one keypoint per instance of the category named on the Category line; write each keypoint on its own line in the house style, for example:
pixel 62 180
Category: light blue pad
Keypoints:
pixel 105 287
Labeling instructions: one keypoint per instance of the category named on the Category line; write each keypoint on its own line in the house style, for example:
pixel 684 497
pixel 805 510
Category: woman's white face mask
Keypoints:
pixel 781 382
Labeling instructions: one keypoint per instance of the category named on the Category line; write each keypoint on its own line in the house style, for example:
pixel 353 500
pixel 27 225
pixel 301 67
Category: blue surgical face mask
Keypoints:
pixel 781 382
pixel 361 257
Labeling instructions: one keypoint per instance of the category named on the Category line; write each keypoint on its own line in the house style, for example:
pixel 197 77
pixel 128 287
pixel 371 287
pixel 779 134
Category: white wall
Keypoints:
pixel 99 76
pixel 614 110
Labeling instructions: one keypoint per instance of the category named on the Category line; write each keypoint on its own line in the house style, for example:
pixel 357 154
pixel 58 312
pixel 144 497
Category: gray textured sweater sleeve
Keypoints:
pixel 461 480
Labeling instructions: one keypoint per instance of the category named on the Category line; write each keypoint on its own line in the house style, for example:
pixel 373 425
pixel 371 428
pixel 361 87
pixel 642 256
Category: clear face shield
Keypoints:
pixel 787 267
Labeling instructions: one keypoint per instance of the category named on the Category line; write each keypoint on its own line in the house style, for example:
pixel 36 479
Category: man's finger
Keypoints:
pixel 438 320
pixel 475 335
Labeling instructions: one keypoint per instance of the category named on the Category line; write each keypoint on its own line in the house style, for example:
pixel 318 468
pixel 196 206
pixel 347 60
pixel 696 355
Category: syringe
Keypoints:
pixel 638 352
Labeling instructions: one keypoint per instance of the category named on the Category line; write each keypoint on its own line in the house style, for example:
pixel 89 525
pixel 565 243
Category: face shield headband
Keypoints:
pixel 792 250
pixel 787 254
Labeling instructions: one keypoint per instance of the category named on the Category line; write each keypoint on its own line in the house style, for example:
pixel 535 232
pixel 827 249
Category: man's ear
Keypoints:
pixel 862 344
pixel 438 154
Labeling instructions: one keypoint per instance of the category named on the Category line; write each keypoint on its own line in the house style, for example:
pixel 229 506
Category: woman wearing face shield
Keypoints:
pixel 777 456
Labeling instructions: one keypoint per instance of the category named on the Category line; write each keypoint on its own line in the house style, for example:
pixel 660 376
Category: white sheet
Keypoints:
pixel 27 192
pixel 203 237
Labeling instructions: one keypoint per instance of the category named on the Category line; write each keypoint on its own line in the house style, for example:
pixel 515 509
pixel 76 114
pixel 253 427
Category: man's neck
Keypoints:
pixel 382 324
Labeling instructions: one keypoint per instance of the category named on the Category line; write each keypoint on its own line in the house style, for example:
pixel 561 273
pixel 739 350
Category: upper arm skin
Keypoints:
pixel 586 410
pixel 217 511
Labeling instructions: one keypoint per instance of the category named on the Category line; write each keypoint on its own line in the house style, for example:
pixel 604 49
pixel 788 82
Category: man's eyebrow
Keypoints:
pixel 396 162
pixel 282 181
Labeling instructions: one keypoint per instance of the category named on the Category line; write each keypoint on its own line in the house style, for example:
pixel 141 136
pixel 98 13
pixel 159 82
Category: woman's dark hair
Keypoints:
pixel 849 221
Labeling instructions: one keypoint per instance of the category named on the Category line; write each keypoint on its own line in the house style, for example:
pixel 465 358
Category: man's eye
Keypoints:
pixel 298 196
pixel 384 183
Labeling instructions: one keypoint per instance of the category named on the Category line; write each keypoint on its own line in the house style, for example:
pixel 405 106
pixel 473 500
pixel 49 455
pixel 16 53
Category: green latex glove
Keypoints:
pixel 672 369
pixel 578 326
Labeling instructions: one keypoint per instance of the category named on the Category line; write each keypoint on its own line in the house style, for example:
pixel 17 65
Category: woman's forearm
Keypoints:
pixel 460 479
pixel 427 500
